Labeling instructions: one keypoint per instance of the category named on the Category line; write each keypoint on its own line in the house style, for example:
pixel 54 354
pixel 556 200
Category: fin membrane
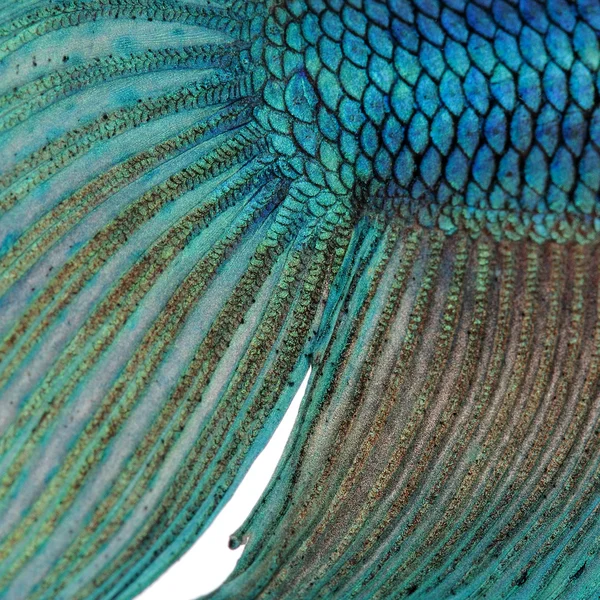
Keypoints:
pixel 164 287
pixel 448 445
pixel 161 286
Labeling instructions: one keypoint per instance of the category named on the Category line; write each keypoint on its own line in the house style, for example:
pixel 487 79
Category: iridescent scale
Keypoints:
pixel 482 115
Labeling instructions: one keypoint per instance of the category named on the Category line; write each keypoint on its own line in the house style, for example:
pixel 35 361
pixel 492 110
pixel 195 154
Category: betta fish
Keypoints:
pixel 201 200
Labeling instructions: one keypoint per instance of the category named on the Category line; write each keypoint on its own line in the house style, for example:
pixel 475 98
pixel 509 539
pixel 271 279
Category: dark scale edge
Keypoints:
pixel 406 113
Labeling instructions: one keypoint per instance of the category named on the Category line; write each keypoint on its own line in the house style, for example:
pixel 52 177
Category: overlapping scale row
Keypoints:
pixel 480 113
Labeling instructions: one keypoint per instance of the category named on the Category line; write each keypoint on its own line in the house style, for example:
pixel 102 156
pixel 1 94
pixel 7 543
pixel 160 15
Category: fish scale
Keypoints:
pixel 459 115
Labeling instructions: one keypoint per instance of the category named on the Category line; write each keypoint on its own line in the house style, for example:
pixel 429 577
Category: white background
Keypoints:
pixel 209 561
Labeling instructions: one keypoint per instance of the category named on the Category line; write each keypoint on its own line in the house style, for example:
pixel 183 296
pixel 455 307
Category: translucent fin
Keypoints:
pixel 160 287
pixel 448 446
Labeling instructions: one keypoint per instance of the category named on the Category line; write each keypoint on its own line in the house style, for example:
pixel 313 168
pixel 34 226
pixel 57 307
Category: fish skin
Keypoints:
pixel 470 115
pixel 198 200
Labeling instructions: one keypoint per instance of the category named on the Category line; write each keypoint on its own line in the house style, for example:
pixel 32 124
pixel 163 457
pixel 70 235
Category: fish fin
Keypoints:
pixel 448 442
pixel 160 286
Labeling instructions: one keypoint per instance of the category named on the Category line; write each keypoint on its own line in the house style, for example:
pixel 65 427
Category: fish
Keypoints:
pixel 201 200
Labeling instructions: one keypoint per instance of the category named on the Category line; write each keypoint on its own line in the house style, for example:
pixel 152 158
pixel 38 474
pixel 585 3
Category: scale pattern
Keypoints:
pixel 199 199
pixel 482 115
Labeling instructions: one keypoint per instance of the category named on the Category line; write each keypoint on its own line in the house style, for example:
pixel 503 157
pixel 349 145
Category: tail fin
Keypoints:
pixel 448 445
pixel 160 287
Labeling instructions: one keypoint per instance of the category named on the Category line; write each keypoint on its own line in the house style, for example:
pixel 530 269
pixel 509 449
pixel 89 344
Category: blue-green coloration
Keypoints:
pixel 476 115
pixel 199 199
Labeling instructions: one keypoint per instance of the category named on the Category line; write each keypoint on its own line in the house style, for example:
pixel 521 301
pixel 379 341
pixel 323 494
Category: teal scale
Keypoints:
pixel 445 114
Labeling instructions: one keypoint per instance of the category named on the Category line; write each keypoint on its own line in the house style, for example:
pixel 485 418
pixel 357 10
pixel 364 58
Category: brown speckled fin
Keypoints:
pixel 449 438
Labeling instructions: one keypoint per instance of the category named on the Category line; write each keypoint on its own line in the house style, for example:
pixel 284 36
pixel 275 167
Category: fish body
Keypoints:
pixel 475 115
pixel 200 200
